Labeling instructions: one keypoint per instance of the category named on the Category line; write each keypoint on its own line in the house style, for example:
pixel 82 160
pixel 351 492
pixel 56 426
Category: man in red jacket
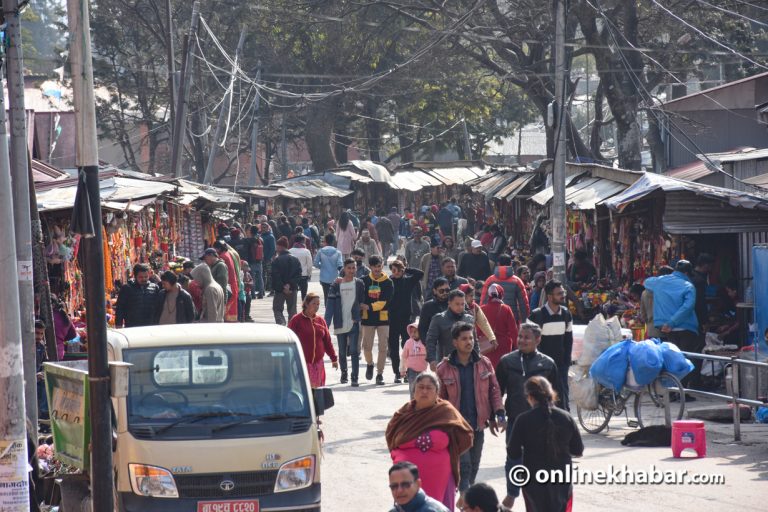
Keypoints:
pixel 468 381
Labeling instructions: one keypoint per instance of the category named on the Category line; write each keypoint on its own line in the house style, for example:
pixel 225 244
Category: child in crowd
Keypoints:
pixel 413 358
pixel 245 269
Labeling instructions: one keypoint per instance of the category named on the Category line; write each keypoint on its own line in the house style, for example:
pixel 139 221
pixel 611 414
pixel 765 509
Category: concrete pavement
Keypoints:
pixel 356 460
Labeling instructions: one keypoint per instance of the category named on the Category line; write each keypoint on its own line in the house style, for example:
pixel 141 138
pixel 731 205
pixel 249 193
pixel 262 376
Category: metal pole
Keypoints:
pixel 171 56
pixel 208 180
pixel 20 184
pixel 467 145
pixel 735 396
pixel 558 175
pixel 255 133
pixel 180 122
pixel 13 466
pixel 87 161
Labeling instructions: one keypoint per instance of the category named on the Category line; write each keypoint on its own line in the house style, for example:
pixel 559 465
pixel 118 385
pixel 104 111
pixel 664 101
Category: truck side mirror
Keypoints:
pixel 323 398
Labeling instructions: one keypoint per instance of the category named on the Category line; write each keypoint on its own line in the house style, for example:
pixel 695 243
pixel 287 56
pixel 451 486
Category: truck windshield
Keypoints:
pixel 221 390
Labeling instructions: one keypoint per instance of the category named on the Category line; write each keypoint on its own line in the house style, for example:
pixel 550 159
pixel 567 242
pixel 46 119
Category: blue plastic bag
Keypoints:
pixel 646 361
pixel 610 369
pixel 674 360
pixel 762 415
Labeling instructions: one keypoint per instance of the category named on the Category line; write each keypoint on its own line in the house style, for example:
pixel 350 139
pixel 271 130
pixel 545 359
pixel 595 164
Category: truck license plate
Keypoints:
pixel 228 506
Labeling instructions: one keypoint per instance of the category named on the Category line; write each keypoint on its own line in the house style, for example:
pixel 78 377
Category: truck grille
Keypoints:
pixel 247 484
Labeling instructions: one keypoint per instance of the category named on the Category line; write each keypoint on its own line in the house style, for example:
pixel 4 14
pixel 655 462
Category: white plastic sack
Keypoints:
pixel 582 388
pixel 597 337
pixel 614 326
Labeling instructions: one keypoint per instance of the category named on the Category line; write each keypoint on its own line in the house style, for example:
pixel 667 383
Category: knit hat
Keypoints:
pixel 495 291
pixel 467 288
pixel 412 327
pixel 282 242
pixel 539 275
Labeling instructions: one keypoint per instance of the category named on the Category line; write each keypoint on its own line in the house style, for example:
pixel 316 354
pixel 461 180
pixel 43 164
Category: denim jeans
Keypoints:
pixel 469 462
pixel 349 345
pixel 258 279
pixel 512 489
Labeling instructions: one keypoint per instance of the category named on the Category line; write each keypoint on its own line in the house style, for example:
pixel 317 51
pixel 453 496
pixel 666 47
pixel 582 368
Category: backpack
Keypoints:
pixel 258 249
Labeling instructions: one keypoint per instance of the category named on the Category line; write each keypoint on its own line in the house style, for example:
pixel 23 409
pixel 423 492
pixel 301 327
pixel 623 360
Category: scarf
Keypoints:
pixel 408 423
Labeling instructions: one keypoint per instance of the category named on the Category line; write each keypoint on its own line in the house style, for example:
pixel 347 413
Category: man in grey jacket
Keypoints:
pixel 439 338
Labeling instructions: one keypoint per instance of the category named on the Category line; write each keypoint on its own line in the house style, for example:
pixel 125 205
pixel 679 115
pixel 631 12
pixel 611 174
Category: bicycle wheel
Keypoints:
pixel 649 402
pixel 594 421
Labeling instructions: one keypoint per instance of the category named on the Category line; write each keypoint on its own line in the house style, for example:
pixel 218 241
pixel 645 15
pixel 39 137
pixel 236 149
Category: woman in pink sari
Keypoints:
pixel 432 434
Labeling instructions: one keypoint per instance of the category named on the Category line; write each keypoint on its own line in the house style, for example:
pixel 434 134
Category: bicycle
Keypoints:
pixel 648 404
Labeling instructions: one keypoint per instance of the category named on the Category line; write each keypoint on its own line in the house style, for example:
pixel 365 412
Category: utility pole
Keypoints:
pixel 558 174
pixel 467 145
pixel 171 56
pixel 20 184
pixel 13 438
pixel 255 132
pixel 283 150
pixel 180 121
pixel 89 196
pixel 226 104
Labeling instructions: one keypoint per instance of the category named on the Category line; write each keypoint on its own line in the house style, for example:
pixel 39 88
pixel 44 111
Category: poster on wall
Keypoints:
pixel 760 291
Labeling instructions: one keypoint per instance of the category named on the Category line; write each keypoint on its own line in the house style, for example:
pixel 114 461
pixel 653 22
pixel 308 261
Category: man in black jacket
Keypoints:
pixel 440 290
pixel 404 281
pixel 512 371
pixel 136 300
pixel 174 304
pixel 439 341
pixel 286 273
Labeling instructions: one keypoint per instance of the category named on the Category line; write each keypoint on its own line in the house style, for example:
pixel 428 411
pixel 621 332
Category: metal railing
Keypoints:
pixel 733 398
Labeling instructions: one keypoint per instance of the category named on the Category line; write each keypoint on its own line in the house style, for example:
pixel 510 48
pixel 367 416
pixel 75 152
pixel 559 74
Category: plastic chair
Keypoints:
pixel 689 434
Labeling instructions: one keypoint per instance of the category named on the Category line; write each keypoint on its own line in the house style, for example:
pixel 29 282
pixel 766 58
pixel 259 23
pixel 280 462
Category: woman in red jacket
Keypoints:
pixel 315 339
pixel 502 322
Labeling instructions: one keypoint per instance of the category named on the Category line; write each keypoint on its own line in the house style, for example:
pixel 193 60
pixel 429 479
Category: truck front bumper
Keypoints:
pixel 303 500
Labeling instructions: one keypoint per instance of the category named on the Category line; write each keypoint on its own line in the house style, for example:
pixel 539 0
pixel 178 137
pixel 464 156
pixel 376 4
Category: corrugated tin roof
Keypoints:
pixel 686 213
pixel 405 181
pixel 761 180
pixel 693 171
pixel 354 176
pixel 511 190
pixel 42 172
pixel 113 190
pixel 305 189
pixel 544 196
pixel 736 155
pixel 492 182
pixel 586 198
pixel 378 172
pixel 651 182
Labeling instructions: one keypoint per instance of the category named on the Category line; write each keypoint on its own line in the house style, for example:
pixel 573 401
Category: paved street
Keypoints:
pixel 356 459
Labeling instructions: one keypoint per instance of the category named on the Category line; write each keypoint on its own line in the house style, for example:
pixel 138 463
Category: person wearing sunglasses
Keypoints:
pixel 405 484
pixel 432 307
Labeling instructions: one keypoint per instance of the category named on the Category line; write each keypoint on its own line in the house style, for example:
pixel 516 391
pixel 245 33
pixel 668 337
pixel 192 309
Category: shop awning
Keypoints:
pixel 352 175
pixel 651 182
pixel 113 190
pixel 587 197
pixel 189 192
pixel 415 179
pixel 492 182
pixel 510 190
pixel 545 196
pixel 304 189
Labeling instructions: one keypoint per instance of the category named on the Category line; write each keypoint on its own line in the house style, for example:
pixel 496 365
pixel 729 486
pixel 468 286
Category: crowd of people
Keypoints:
pixel 481 333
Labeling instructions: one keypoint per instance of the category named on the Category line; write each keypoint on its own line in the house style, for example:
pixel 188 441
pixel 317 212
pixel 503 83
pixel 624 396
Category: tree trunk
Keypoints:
pixel 198 143
pixel 269 151
pixel 595 137
pixel 628 143
pixel 658 150
pixel 372 130
pixel 321 117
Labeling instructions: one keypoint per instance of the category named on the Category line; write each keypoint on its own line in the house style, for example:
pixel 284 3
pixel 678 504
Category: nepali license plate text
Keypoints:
pixel 228 506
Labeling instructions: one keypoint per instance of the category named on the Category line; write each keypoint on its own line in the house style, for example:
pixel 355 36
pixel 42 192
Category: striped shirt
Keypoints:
pixel 556 334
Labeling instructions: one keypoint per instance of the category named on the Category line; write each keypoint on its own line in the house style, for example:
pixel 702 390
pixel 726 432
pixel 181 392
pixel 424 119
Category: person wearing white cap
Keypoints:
pixel 476 263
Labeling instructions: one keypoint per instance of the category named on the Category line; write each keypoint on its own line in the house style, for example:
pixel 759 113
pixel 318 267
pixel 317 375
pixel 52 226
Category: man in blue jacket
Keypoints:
pixel 674 312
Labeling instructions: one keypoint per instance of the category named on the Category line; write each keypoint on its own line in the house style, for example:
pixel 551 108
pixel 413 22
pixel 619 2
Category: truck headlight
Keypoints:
pixel 152 481
pixel 296 474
